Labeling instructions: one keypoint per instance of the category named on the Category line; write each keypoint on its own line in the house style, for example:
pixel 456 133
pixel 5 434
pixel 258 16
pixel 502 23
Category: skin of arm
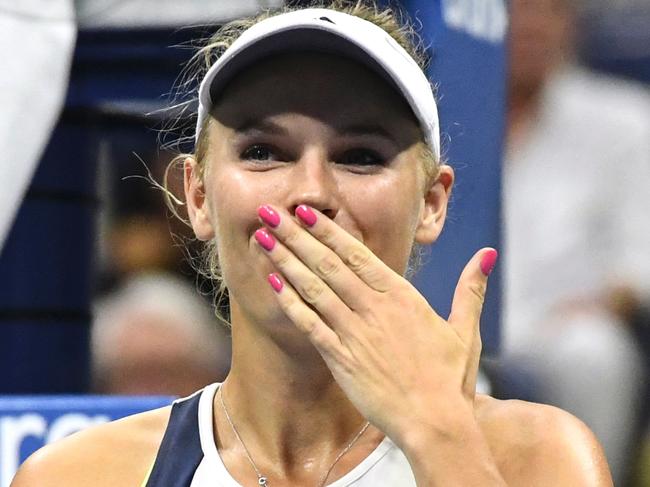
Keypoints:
pixel 116 453
pixel 512 443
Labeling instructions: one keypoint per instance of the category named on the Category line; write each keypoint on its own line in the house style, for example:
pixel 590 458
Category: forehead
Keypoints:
pixel 543 6
pixel 331 88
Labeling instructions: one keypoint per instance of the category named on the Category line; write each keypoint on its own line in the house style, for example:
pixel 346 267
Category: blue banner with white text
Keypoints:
pixel 30 422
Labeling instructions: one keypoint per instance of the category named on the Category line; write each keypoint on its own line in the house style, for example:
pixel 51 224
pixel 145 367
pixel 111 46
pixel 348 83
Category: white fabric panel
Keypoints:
pixel 162 13
pixel 36 43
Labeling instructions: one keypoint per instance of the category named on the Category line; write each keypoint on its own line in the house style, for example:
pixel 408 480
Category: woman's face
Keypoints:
pixel 312 129
pixel 539 38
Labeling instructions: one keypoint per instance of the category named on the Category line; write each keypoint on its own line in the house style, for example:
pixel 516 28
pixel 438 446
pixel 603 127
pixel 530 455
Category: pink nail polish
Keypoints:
pixel 275 282
pixel 268 215
pixel 265 239
pixel 488 261
pixel 306 215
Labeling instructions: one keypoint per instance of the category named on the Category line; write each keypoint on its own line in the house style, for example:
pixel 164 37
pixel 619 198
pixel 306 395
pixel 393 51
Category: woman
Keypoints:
pixel 317 170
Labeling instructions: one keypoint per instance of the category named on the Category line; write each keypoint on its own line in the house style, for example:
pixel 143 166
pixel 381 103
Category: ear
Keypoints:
pixel 435 207
pixel 198 208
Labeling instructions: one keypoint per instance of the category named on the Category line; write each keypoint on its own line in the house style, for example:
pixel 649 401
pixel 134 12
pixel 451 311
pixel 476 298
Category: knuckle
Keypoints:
pixel 327 266
pixel 315 331
pixel 346 364
pixel 358 259
pixel 401 297
pixel 375 278
pixel 327 235
pixel 312 290
pixel 310 326
pixel 282 260
pixel 304 320
pixel 294 312
pixel 478 291
pixel 291 307
pixel 291 236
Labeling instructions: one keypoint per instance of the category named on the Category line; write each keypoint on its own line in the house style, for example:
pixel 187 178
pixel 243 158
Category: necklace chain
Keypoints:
pixel 261 479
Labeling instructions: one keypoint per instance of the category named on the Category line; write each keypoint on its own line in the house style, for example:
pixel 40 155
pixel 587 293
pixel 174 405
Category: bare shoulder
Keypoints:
pixel 540 445
pixel 116 453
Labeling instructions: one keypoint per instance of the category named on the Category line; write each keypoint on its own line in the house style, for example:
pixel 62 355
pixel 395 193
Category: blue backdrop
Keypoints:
pixel 465 39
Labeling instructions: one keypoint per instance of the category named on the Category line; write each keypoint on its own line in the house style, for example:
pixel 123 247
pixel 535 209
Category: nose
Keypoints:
pixel 313 183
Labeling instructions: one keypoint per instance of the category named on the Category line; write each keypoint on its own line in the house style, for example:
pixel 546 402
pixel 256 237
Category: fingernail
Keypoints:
pixel 269 216
pixel 265 239
pixel 488 261
pixel 275 282
pixel 306 215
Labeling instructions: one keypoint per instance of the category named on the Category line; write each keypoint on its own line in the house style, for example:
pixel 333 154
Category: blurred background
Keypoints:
pixel 545 108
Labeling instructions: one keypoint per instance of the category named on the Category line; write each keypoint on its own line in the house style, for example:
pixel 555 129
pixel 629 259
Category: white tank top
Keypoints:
pixel 384 466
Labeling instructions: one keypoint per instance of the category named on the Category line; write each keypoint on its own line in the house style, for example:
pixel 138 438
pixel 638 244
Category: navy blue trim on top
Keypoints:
pixel 180 451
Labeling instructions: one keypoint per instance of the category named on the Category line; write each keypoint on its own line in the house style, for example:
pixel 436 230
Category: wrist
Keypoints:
pixel 450 449
pixel 444 426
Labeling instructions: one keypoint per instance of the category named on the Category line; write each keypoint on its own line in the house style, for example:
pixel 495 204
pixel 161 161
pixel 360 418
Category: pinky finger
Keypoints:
pixel 305 318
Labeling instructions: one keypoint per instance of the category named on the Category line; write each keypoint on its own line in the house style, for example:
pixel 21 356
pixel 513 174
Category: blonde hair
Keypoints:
pixel 391 21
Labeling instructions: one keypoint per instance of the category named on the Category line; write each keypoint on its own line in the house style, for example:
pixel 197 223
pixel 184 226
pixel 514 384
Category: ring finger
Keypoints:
pixel 313 290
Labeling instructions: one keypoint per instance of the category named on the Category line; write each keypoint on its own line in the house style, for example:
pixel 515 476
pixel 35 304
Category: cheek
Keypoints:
pixel 386 214
pixel 233 206
pixel 234 199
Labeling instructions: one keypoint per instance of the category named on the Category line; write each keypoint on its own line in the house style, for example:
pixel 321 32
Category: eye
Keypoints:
pixel 259 152
pixel 362 157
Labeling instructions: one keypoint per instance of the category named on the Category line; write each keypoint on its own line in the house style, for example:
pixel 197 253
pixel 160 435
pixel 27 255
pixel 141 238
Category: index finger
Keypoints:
pixel 356 256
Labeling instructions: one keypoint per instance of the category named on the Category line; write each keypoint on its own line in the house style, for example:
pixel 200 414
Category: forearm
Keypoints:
pixel 453 454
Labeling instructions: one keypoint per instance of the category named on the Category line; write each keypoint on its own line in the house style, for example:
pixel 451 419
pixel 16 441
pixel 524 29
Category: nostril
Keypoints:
pixel 328 212
pixel 326 19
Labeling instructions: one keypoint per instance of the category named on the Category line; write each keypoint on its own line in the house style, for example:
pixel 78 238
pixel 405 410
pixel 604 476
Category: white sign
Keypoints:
pixel 483 19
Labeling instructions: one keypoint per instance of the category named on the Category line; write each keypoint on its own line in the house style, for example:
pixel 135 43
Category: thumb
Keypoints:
pixel 470 294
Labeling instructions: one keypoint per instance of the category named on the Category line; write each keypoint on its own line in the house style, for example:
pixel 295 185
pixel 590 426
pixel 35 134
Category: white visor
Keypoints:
pixel 329 31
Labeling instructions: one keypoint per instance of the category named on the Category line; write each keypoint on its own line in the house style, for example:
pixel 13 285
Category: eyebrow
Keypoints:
pixel 270 127
pixel 265 126
pixel 367 129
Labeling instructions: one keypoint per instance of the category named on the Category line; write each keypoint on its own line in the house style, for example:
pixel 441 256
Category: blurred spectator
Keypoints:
pixel 577 233
pixel 140 243
pixel 643 475
pixel 137 234
pixel 155 335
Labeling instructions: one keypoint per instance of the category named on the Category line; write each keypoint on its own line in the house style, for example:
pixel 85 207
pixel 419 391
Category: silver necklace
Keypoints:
pixel 261 479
